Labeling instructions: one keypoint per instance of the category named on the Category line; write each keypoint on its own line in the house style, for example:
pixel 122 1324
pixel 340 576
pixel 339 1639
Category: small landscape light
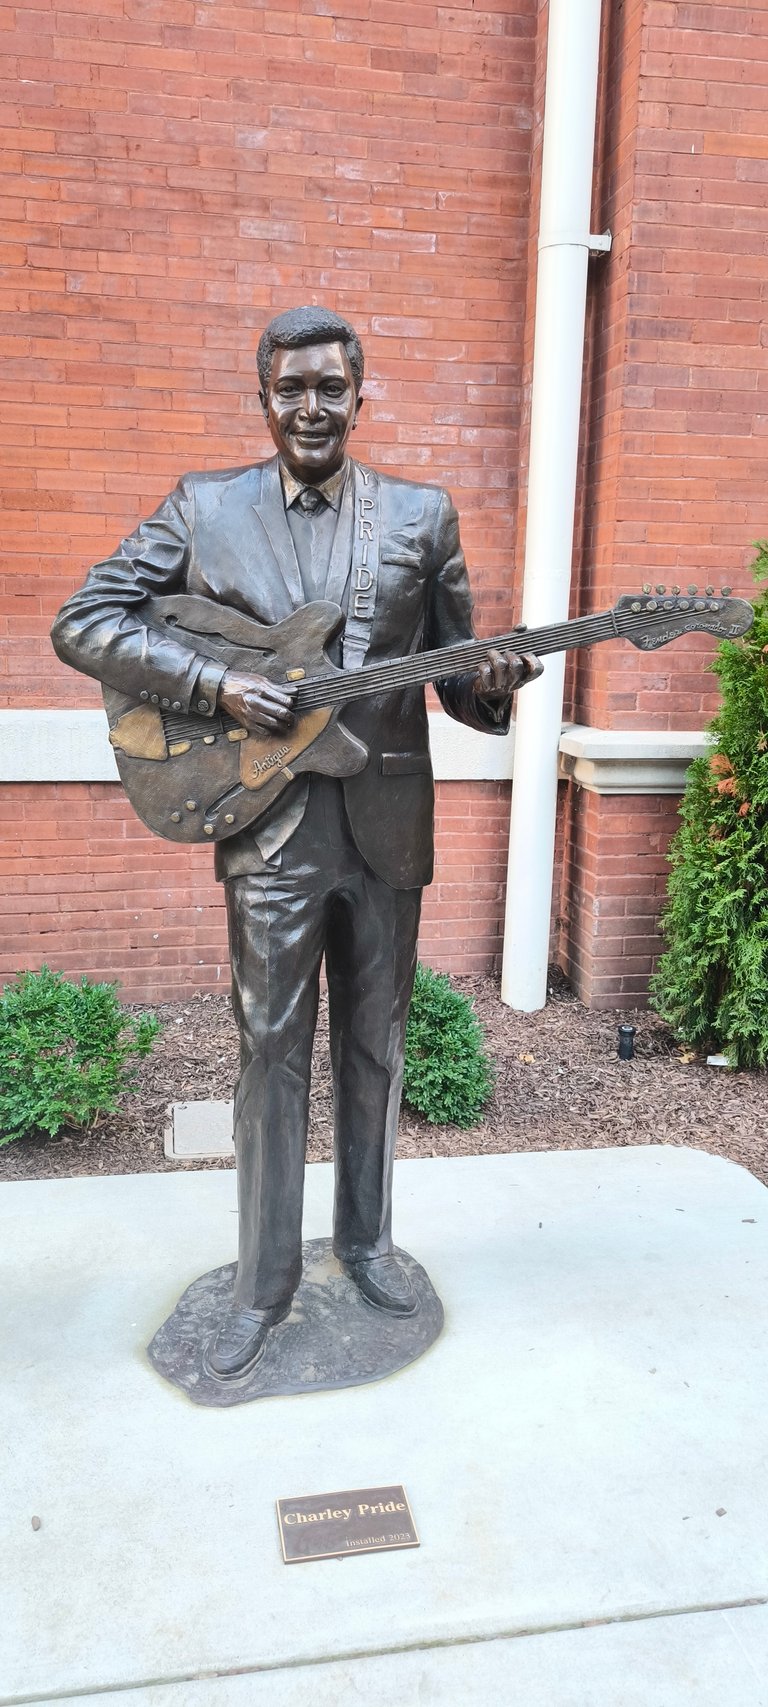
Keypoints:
pixel 626 1042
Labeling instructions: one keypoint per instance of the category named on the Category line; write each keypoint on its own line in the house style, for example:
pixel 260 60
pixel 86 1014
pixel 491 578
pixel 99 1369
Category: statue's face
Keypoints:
pixel 310 408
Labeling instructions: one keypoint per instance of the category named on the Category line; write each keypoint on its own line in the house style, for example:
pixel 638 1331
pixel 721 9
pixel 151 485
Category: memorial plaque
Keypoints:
pixel 331 1526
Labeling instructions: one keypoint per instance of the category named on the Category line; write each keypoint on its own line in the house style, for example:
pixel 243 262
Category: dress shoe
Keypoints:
pixel 384 1283
pixel 239 1342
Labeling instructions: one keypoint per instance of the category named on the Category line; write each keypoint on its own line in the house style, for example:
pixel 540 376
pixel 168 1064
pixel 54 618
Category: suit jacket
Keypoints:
pixel 225 535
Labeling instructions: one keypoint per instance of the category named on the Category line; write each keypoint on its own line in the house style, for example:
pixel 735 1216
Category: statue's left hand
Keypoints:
pixel 503 672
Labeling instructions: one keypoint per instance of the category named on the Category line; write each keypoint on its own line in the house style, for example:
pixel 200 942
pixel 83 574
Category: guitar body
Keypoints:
pixel 195 779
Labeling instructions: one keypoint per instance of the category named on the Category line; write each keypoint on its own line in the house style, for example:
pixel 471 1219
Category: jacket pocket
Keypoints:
pixel 405 764
pixel 404 560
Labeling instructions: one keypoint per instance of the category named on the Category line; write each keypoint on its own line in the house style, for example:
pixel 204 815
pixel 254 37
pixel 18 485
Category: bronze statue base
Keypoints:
pixel 332 1337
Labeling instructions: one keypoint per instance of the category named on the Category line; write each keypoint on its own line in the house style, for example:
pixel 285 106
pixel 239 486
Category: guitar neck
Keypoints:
pixel 422 667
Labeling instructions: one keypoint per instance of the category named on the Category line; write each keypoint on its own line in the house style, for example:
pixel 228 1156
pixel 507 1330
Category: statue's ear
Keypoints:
pixel 264 407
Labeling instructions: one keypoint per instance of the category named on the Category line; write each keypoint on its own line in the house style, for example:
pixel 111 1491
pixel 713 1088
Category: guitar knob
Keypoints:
pixel 661 590
pixel 191 805
pixel 175 817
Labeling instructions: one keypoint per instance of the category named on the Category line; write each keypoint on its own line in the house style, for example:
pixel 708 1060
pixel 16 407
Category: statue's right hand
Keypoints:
pixel 256 703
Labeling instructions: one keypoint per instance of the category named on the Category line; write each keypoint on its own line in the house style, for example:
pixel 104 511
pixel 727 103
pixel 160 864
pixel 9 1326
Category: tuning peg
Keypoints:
pixel 692 591
pixel 675 590
pixel 726 592
pixel 661 589
pixel 710 592
pixel 646 586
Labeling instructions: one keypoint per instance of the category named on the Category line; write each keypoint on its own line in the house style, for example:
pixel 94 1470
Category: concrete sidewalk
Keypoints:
pixel 585 1445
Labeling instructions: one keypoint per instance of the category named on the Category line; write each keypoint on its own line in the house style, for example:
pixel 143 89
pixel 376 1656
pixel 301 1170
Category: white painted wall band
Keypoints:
pixel 55 746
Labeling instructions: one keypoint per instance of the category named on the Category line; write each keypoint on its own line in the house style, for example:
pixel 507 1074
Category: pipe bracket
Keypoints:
pixel 597 242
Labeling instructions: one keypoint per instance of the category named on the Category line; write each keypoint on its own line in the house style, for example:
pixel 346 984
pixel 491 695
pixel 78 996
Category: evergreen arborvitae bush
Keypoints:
pixel 64 1052
pixel 711 985
pixel 448 1075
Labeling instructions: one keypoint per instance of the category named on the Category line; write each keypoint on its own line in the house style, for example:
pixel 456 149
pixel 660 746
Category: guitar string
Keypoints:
pixel 424 667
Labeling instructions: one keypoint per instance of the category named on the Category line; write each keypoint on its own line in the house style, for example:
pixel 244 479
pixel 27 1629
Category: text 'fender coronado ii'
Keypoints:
pixel 193 779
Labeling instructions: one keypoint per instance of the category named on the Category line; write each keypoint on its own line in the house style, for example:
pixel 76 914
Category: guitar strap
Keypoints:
pixel 366 551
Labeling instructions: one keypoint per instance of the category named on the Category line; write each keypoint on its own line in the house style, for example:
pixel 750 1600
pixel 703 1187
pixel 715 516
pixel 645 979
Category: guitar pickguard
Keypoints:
pixel 139 733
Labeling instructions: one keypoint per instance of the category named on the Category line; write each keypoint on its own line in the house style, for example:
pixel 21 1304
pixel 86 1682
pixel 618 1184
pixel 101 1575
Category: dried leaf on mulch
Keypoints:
pixel 560 1086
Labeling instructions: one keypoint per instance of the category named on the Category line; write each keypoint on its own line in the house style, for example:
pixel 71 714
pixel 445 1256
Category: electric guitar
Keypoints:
pixel 193 779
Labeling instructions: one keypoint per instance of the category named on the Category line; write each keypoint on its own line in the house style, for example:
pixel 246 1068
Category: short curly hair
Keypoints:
pixel 299 326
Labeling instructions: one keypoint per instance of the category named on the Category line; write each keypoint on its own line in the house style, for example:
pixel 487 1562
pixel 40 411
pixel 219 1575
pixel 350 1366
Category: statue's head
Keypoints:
pixel 311 369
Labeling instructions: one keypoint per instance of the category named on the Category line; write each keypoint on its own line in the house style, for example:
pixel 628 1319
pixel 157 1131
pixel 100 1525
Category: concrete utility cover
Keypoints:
pixel 585 1444
pixel 199 1131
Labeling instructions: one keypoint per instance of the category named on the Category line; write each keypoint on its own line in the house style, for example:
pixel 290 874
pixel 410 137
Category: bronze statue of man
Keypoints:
pixel 333 868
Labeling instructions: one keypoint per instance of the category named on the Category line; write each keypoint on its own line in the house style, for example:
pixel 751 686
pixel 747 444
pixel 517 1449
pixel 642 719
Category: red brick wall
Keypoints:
pixel 463 914
pixel 613 884
pixel 677 413
pixel 176 174
pixel 89 891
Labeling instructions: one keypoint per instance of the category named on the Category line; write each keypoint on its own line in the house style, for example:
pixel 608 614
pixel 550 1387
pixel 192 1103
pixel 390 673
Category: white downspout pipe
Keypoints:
pixel 558 355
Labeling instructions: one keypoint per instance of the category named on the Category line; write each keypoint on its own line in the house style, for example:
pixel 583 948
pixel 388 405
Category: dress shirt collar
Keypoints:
pixel 331 488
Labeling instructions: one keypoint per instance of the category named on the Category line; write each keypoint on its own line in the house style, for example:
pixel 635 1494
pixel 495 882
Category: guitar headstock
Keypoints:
pixel 654 617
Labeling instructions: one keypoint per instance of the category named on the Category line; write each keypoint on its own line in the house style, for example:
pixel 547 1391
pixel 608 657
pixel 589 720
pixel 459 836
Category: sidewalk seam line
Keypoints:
pixel 307 1662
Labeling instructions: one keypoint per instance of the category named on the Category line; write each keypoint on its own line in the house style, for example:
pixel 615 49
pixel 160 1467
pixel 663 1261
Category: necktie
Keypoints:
pixel 309 501
pixel 313 539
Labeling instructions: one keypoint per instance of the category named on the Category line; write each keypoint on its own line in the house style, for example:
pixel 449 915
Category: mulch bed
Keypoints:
pixel 560 1086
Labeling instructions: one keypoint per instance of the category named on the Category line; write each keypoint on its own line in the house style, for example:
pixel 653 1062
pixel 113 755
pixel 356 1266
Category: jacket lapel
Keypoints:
pixel 280 586
pixel 278 567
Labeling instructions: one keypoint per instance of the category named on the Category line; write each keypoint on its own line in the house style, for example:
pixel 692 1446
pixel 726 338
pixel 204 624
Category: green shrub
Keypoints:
pixel 712 982
pixel 63 1052
pixel 448 1076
